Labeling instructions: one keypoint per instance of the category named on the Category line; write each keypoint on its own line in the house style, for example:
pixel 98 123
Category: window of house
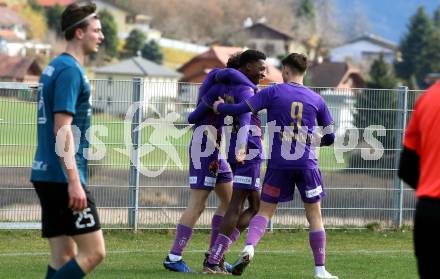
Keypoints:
pixel 269 49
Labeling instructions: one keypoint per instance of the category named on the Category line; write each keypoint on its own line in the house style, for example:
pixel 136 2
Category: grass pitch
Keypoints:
pixel 350 254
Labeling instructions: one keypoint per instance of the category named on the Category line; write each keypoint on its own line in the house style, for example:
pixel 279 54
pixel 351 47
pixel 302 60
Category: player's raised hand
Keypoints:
pixel 77 196
pixel 216 103
pixel 240 156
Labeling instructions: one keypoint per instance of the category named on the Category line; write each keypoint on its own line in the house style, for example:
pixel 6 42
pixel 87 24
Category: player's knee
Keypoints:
pixel 68 254
pixel 100 255
pixel 200 209
pixel 95 257
pixel 253 210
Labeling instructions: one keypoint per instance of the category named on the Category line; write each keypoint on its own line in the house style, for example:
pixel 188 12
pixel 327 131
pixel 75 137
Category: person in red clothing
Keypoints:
pixel 420 168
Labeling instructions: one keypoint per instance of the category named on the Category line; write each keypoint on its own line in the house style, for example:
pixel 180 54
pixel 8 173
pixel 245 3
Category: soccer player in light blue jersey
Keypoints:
pixel 59 174
pixel 294 111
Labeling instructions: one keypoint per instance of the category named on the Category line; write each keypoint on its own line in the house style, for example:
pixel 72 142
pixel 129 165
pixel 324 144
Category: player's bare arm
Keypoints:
pixel 77 196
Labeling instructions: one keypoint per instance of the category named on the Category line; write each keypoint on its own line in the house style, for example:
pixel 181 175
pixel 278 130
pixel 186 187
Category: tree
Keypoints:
pixel 376 107
pixel 381 75
pixel 437 18
pixel 53 17
pixel 306 8
pixel 416 47
pixel 110 31
pixel 38 28
pixel 151 51
pixel 383 101
pixel 133 43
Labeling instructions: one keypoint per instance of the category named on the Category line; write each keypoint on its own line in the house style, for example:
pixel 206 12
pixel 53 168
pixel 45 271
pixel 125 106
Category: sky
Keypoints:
pixel 387 18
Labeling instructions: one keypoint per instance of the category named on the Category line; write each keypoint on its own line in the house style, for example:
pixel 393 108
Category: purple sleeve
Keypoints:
pixel 324 119
pixel 208 82
pixel 245 93
pixel 261 100
pixel 211 96
pixel 234 109
pixel 233 76
pixel 196 116
pixel 205 105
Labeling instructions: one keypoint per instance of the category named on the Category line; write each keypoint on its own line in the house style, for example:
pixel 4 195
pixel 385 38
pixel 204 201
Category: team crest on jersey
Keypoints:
pixel 213 167
pixel 48 71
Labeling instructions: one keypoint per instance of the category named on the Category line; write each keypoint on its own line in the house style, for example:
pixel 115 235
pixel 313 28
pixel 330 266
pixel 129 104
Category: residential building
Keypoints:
pixel 19 69
pixel 270 40
pixel 365 49
pixel 13 37
pixel 114 87
pixel 336 81
pixel 197 68
pixel 125 20
pixel 11 23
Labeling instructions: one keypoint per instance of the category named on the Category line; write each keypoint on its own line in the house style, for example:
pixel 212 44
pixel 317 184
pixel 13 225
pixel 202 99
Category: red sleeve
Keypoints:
pixel 412 133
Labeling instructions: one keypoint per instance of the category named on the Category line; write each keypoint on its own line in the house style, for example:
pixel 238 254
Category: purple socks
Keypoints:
pixel 183 235
pixel 257 228
pixel 220 247
pixel 235 235
pixel 317 241
pixel 215 225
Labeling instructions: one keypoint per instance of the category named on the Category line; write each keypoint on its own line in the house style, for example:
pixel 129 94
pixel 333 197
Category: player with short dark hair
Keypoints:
pixel 292 111
pixel 69 216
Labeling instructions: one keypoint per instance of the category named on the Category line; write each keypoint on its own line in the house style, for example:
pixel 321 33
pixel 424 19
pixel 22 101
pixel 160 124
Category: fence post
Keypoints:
pixel 402 111
pixel 133 195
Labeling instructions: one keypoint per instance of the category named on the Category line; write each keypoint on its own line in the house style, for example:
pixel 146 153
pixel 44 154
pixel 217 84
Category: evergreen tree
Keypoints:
pixel 133 43
pixel 306 9
pixel 415 47
pixel 53 17
pixel 382 101
pixel 437 18
pixel 151 51
pixel 110 31
pixel 381 75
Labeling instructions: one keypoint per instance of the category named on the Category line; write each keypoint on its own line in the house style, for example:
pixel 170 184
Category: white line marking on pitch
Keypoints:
pixel 340 252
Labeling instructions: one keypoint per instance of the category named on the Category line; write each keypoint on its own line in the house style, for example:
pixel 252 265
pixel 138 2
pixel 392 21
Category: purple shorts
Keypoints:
pixel 279 185
pixel 246 176
pixel 212 171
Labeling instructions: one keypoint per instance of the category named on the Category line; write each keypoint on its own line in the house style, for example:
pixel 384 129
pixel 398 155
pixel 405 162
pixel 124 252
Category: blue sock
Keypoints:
pixel 70 270
pixel 50 272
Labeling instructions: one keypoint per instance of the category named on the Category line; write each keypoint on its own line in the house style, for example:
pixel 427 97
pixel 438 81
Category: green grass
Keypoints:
pixel 18 140
pixel 350 254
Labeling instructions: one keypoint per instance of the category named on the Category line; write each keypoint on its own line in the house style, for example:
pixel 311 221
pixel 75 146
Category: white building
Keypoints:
pixel 365 48
pixel 13 36
pixel 114 87
pixel 10 21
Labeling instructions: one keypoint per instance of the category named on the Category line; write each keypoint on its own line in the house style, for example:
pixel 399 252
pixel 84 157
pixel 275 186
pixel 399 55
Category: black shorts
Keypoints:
pixel 57 218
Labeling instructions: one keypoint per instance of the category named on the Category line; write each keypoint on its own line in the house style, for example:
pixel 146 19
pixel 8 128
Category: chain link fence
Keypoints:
pixel 142 181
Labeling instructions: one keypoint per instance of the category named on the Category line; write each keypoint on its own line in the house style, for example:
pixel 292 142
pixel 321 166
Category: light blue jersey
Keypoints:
pixel 64 87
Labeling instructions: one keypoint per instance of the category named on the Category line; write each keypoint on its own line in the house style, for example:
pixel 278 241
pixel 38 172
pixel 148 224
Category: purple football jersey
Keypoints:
pixel 293 112
pixel 234 94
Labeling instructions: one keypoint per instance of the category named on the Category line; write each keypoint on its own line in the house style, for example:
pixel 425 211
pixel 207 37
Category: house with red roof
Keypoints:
pixel 19 69
pixel 50 3
pixel 198 67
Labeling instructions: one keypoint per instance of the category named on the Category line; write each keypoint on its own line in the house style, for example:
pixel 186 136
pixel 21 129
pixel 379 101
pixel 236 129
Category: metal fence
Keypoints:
pixel 130 194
